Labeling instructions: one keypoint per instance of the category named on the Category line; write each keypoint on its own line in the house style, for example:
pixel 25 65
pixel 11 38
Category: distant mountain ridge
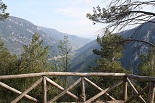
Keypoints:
pixel 16 32
pixel 75 41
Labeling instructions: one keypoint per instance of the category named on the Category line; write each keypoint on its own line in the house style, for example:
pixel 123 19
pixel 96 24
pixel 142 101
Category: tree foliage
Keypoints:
pixel 120 13
pixel 110 52
pixel 7 61
pixel 147 65
pixel 65 57
pixel 34 57
pixel 111 47
pixel 117 15
pixel 64 53
pixel 3 14
pixel 33 60
pixel 8 64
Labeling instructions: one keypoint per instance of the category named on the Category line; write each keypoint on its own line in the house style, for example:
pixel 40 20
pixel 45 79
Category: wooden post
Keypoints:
pixel 151 92
pixel 125 89
pixel 44 90
pixel 83 90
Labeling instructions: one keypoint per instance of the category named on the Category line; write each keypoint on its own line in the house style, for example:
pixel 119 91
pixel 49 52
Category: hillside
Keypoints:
pixel 75 41
pixel 131 54
pixel 16 32
pixel 84 57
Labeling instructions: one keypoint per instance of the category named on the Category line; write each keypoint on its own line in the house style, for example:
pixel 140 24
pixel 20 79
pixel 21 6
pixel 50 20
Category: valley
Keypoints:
pixel 16 32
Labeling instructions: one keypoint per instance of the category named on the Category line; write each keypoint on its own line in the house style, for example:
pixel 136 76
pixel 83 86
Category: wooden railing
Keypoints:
pixel 127 81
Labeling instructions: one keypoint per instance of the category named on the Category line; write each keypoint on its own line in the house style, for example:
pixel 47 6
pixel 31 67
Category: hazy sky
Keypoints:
pixel 68 16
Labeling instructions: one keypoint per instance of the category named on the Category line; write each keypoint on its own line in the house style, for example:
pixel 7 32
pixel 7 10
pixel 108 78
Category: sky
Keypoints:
pixel 67 16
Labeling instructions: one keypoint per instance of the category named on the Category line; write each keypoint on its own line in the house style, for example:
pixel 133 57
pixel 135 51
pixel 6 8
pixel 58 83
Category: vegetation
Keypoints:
pixel 64 53
pixel 65 57
pixel 124 13
pixel 147 65
pixel 3 14
pixel 34 57
pixel 110 53
pixel 8 63
pixel 120 14
pixel 33 60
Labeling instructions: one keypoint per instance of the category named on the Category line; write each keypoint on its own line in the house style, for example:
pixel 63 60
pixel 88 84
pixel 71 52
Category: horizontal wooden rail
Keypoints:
pixel 61 74
pixel 141 78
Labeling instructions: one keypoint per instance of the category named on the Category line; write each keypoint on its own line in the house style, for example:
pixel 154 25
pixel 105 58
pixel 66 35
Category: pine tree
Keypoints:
pixel 3 14
pixel 111 47
pixel 110 52
pixel 147 65
pixel 65 57
pixel 8 65
pixel 121 13
pixel 7 61
pixel 33 60
pixel 64 52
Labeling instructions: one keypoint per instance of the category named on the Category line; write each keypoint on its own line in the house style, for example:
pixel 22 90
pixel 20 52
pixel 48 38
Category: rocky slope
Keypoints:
pixel 16 32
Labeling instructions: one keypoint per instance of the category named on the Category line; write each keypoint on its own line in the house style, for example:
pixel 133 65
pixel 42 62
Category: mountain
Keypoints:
pixel 145 32
pixel 131 55
pixel 75 41
pixel 84 57
pixel 16 32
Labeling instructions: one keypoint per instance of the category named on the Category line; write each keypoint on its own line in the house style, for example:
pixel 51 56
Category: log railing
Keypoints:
pixel 127 82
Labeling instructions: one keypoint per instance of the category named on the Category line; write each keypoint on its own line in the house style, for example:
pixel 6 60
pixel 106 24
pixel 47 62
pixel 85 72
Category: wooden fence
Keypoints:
pixel 127 82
